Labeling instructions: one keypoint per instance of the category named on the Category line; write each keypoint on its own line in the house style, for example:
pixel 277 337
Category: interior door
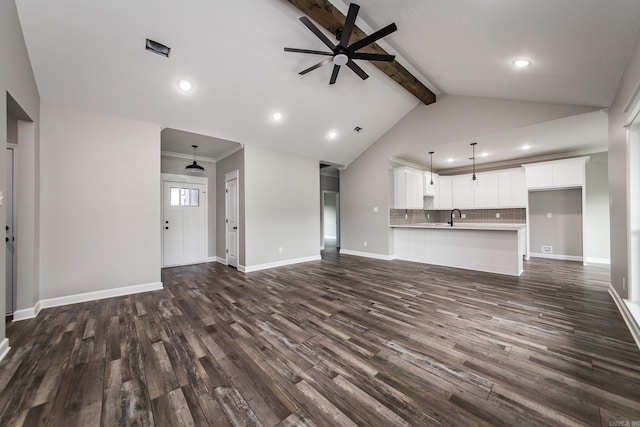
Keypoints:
pixel 184 223
pixel 231 201
pixel 9 234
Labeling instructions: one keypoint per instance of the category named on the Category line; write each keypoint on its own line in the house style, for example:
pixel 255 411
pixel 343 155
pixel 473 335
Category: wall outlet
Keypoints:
pixel 498 215
pixel 547 249
pixel 463 215
pixel 375 209
pixel 406 216
pixel 428 216
pixel 365 243
pixel 280 249
pixel 549 215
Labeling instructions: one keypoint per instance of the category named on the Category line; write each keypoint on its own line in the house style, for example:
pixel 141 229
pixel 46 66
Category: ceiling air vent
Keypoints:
pixel 158 48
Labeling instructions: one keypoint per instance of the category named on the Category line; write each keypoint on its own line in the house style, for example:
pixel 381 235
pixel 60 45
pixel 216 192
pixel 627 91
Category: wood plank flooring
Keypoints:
pixel 339 342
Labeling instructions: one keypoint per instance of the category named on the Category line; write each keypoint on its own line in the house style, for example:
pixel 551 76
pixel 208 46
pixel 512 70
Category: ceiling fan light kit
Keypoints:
pixel 344 53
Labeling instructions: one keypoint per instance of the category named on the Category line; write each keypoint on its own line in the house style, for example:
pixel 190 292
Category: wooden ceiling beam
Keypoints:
pixel 329 17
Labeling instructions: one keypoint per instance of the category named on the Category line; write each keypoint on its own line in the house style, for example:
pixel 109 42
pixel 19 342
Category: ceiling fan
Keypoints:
pixel 344 53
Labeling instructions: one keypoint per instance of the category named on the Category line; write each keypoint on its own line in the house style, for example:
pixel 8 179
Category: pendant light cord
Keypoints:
pixel 473 158
pixel 431 168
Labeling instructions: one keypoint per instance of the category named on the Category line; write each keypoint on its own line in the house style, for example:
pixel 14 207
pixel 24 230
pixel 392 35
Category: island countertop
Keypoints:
pixel 464 226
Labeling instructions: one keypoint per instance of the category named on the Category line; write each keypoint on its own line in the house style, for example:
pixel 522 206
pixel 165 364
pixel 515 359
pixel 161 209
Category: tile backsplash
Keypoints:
pixel 414 216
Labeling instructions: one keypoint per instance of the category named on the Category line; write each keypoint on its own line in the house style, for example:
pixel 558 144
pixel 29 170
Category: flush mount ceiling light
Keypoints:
pixel 526 147
pixel 185 85
pixel 332 134
pixel 194 167
pixel 521 63
pixel 431 168
pixel 484 154
pixel 277 116
pixel 450 160
pixel 473 158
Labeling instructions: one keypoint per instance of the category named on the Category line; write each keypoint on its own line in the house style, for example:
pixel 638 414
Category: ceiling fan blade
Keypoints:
pixel 373 37
pixel 356 69
pixel 334 75
pixel 315 30
pixel 318 65
pixel 349 23
pixel 315 52
pixel 373 57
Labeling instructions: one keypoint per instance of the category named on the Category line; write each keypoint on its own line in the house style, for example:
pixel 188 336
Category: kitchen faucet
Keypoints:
pixel 451 214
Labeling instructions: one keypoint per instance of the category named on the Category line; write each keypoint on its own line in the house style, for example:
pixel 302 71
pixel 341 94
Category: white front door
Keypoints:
pixel 231 201
pixel 184 223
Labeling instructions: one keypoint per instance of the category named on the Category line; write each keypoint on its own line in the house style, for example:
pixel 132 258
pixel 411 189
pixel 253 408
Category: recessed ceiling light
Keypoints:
pixel 449 160
pixel 332 134
pixel 526 147
pixel 277 116
pixel 521 63
pixel 484 154
pixel 185 85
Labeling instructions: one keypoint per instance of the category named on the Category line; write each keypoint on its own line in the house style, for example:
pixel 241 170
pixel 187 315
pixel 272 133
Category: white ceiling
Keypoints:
pixel 90 55
pixel 580 134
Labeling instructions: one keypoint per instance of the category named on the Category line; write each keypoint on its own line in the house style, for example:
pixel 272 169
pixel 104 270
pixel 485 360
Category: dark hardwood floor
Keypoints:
pixel 338 342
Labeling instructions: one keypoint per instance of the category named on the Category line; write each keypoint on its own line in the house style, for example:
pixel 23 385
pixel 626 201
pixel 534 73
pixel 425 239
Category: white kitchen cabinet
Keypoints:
pixel 486 190
pixel 444 199
pixel 512 191
pixel 462 192
pixel 430 190
pixel 556 174
pixel 408 188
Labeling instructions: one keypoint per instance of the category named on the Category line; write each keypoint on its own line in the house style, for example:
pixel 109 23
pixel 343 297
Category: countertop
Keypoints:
pixel 464 226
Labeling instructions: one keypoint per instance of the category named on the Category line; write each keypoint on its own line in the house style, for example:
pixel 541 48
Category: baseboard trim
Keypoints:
pixel 31 313
pixel 266 266
pixel 241 268
pixel 556 256
pixel 4 348
pixel 212 259
pixel 222 261
pixel 368 255
pixel 631 322
pixel 27 313
pixel 592 260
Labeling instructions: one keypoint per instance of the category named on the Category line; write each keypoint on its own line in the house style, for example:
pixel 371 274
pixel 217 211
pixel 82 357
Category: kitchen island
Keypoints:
pixel 493 248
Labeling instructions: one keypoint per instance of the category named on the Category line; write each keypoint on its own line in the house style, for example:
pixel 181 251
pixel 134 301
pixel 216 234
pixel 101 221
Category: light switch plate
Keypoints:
pixel 375 209
pixel 549 215
pixel 1 198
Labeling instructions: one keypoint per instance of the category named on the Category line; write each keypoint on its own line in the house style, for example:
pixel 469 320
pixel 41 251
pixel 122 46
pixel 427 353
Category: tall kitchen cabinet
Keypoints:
pixel 408 188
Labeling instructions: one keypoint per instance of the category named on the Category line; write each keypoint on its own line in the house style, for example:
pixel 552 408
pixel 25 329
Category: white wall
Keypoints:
pixel 282 208
pixel 367 182
pixel 596 238
pixel 618 173
pixel 100 202
pixel 16 77
pixel 177 165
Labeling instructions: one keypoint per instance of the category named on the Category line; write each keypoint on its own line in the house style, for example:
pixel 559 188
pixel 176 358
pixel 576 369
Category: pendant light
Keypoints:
pixel 194 167
pixel 431 168
pixel 473 157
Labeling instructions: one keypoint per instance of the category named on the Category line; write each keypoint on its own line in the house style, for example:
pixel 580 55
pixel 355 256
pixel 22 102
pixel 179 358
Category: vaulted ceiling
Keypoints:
pixel 91 55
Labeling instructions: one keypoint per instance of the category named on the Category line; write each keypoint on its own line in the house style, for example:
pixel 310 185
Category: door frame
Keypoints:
pixel 186 179
pixel 14 221
pixel 337 193
pixel 230 176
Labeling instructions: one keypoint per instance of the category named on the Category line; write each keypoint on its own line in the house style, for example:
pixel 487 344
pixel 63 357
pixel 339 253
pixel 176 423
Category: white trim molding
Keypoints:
pixel 556 256
pixel 258 267
pixel 221 260
pixel 632 323
pixel 173 177
pixel 31 313
pixel 27 313
pixel 368 255
pixel 592 260
pixel 4 348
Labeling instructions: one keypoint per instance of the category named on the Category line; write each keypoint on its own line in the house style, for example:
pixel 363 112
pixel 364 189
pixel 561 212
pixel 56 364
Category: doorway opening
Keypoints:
pixel 633 215
pixel 231 220
pixel 329 207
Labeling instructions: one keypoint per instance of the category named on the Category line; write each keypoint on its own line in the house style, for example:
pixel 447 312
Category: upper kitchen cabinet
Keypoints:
pixel 408 188
pixel 491 190
pixel 445 193
pixel 512 192
pixel 462 190
pixel 429 189
pixel 556 174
